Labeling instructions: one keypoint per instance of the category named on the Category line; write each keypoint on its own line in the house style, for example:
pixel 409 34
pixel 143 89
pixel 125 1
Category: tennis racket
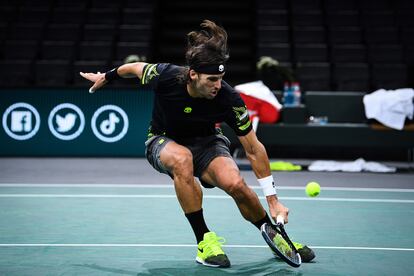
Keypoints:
pixel 278 240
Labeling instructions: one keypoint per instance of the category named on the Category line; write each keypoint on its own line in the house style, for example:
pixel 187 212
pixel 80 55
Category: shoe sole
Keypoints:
pixel 200 261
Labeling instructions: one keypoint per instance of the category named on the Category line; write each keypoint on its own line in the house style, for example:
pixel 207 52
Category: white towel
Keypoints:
pixel 391 107
pixel 259 90
pixel 354 166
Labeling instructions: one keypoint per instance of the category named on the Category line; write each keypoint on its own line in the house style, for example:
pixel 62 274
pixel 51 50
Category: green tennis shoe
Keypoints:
pixel 306 253
pixel 210 253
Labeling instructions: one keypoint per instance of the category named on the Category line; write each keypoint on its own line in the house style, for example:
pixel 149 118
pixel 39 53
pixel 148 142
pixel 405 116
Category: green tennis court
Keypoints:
pixel 139 229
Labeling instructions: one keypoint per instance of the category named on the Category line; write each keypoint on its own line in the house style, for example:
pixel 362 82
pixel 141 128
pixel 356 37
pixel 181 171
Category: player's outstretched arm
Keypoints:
pixel 128 70
pixel 257 155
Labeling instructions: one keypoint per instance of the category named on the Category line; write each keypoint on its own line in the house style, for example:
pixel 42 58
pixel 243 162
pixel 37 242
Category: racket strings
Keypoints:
pixel 283 246
pixel 271 231
pixel 279 242
pixel 283 243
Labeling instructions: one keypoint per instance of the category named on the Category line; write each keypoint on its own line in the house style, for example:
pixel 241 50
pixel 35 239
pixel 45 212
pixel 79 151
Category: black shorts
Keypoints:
pixel 204 150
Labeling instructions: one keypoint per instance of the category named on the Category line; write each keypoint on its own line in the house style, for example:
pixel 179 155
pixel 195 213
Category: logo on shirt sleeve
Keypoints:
pixel 242 117
pixel 149 73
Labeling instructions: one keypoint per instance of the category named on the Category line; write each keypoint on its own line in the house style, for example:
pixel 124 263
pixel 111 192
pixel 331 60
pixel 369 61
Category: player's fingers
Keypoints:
pixel 98 84
pixel 94 87
pixel 83 75
pixel 88 76
pixel 282 215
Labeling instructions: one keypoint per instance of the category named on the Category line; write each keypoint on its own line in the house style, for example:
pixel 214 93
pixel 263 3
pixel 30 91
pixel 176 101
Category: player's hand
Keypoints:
pixel 276 208
pixel 97 78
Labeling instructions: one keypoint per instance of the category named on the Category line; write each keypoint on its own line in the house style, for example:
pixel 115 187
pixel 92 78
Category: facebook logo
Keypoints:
pixel 21 121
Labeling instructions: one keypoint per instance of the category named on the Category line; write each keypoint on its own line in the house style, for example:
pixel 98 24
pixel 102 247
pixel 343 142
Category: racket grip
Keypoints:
pixel 280 219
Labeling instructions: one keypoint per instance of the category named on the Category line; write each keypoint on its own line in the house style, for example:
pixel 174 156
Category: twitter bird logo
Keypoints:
pixel 65 123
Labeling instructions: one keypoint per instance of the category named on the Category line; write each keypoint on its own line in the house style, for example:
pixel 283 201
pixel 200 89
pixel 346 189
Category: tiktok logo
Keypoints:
pixel 110 123
pixel 108 126
pixel 21 121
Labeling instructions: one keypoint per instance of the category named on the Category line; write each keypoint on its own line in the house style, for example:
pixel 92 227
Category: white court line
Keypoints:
pixel 206 196
pixel 189 245
pixel 163 186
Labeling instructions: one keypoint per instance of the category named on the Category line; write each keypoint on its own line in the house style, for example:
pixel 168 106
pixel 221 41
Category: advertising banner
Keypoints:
pixel 73 122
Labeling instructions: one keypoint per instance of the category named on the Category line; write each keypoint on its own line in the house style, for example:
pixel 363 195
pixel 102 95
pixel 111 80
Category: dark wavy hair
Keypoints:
pixel 206 46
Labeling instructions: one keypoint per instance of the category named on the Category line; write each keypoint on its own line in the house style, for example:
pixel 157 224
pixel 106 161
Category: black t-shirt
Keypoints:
pixel 178 115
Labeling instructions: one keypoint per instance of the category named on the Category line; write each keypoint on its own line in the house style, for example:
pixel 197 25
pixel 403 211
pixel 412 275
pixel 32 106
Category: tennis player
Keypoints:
pixel 184 143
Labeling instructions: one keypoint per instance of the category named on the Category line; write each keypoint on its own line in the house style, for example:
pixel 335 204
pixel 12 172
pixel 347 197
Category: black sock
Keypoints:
pixel 198 224
pixel 259 223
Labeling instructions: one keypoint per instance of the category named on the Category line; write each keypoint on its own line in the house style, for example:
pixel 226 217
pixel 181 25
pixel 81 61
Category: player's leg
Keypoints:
pixel 168 157
pixel 178 160
pixel 223 172
pixel 215 167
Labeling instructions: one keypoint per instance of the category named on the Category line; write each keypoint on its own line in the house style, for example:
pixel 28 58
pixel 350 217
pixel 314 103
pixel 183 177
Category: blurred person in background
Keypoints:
pixel 273 74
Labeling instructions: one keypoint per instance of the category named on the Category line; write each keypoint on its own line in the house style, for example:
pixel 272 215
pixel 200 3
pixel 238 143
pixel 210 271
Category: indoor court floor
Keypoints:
pixel 108 216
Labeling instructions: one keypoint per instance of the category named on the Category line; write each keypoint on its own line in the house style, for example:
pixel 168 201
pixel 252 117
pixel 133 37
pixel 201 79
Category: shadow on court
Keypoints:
pixel 269 267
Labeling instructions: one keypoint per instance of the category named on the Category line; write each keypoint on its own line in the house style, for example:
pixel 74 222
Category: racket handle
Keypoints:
pixel 280 219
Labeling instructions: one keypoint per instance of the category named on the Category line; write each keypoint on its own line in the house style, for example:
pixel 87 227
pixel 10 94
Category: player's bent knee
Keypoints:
pixel 182 161
pixel 236 188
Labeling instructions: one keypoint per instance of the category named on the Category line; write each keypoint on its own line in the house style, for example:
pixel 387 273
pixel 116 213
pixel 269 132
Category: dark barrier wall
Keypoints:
pixel 72 122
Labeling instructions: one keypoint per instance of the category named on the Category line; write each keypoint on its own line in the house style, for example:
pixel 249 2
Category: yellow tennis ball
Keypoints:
pixel 313 189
